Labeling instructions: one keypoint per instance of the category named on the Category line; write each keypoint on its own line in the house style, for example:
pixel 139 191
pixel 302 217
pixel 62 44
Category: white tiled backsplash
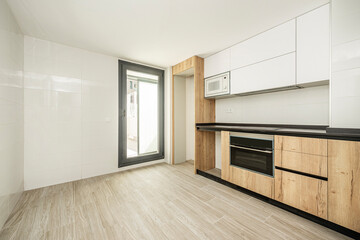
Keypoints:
pixel 301 106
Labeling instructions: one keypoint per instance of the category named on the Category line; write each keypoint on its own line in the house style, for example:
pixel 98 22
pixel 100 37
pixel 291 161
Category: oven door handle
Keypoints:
pixel 252 149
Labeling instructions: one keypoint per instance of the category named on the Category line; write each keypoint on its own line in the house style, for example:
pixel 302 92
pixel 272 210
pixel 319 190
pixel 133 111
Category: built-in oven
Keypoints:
pixel 252 152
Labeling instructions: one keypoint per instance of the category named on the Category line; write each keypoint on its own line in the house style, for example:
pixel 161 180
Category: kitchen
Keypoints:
pixel 270 99
pixel 179 120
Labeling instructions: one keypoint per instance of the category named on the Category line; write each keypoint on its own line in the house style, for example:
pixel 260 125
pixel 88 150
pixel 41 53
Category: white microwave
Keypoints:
pixel 218 85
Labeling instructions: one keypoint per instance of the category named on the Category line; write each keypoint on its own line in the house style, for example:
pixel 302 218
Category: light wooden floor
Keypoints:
pixel 155 202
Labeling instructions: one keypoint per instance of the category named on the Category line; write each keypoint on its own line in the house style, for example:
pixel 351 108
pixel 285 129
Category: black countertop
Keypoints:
pixel 314 131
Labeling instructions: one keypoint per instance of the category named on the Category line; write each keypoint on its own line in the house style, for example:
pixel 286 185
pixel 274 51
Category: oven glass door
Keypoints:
pixel 252 159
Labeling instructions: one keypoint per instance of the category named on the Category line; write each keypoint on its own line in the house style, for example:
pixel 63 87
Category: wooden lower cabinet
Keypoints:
pixel 336 200
pixel 315 146
pixel 255 182
pixel 344 183
pixel 305 193
pixel 302 162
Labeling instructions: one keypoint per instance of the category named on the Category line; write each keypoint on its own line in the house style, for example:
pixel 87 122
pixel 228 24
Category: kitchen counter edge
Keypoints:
pixel 312 131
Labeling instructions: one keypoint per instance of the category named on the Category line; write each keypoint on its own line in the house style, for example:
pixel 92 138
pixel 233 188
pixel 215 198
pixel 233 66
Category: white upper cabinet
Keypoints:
pixel 217 63
pixel 313 46
pixel 275 42
pixel 274 73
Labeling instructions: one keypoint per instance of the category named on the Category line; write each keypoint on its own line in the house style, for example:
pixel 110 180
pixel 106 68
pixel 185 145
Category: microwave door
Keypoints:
pixel 213 87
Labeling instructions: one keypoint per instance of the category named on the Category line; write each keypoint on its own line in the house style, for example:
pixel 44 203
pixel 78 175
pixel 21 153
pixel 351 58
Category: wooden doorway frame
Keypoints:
pixel 204 113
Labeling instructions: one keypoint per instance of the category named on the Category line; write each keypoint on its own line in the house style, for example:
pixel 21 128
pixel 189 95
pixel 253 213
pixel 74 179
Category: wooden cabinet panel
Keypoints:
pixel 302 162
pixel 344 183
pixel 275 42
pixel 269 74
pixel 315 146
pixel 305 193
pixel 225 155
pixel 313 45
pixel 253 181
pixel 217 63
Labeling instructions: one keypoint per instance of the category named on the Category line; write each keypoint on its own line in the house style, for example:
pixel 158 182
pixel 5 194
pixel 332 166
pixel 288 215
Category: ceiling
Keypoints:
pixel 156 32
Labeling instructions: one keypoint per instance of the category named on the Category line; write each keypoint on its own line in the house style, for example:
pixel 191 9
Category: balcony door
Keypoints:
pixel 141 114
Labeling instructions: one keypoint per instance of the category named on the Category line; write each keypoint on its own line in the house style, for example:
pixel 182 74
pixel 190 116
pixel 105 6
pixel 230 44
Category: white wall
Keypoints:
pixel 168 112
pixel 190 119
pixel 218 150
pixel 179 119
pixel 11 112
pixel 301 106
pixel 345 78
pixel 71 113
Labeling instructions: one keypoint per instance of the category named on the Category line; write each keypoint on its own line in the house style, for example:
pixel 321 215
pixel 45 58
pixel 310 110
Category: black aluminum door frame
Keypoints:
pixel 123 160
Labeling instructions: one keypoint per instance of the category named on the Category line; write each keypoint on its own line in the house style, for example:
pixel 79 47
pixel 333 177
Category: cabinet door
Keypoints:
pixel 302 162
pixel 217 63
pixel 313 46
pixel 273 73
pixel 302 192
pixel 314 146
pixel 344 183
pixel 275 42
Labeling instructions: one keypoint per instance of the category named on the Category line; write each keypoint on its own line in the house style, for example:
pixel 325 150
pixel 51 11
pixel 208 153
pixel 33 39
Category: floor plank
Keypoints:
pixel 153 202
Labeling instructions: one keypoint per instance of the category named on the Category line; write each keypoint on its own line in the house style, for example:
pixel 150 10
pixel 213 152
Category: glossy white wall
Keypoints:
pixel 71 114
pixel 53 100
pixel 99 112
pixel 345 76
pixel 11 112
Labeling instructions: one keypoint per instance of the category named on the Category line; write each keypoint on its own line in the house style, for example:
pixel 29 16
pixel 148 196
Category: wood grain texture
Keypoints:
pixel 315 146
pixel 305 193
pixel 184 65
pixel 204 150
pixel 344 183
pixel 204 112
pixel 204 108
pixel 155 202
pixel 302 162
pixel 258 183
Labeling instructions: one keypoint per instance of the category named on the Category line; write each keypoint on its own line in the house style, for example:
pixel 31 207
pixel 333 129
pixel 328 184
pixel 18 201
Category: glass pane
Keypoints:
pixel 132 118
pixel 148 117
pixel 142 114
